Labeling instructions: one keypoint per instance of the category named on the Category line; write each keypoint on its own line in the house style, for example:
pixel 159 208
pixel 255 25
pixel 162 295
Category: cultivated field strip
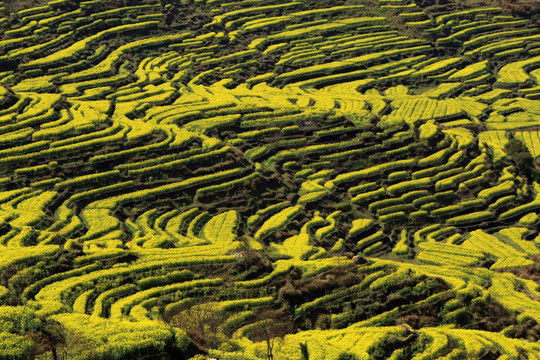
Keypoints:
pixel 189 177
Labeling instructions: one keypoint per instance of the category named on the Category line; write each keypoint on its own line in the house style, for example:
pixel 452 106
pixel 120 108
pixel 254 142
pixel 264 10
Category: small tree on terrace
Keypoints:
pixel 520 155
pixel 266 331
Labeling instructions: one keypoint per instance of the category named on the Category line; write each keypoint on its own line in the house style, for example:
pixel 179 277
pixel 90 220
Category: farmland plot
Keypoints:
pixel 279 179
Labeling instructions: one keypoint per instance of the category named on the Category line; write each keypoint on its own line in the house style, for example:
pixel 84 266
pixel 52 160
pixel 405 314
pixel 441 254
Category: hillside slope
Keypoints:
pixel 269 179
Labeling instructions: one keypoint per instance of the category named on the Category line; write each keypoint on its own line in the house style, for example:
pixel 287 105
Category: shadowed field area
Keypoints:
pixel 352 179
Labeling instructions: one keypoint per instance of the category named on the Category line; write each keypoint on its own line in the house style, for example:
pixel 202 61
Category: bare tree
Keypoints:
pixel 266 331
pixel 201 323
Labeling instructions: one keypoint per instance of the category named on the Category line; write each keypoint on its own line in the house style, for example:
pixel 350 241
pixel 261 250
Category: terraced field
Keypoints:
pixel 307 179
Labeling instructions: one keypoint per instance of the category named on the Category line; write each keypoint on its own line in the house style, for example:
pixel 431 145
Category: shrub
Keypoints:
pixel 520 155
